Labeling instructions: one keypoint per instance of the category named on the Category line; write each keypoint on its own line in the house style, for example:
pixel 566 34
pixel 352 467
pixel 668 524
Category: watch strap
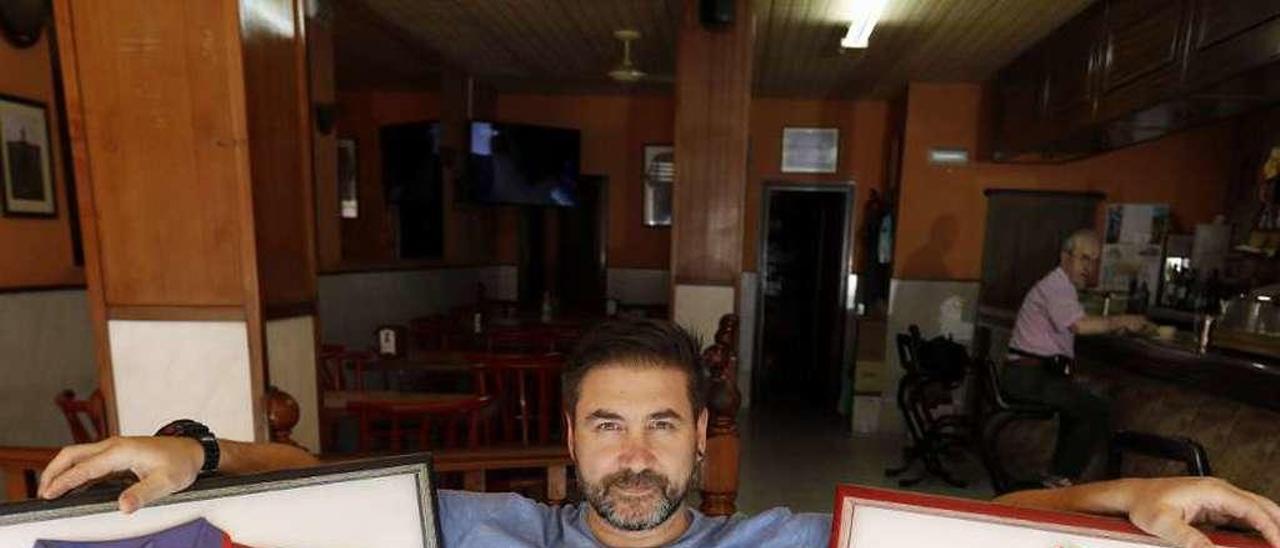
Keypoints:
pixel 188 428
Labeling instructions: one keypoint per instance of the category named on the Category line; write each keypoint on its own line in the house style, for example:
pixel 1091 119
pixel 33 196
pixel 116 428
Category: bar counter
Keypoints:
pixel 1233 375
pixel 1228 402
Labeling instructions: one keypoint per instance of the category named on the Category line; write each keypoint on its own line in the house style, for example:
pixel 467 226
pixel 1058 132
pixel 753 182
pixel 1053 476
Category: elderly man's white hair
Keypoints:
pixel 1079 237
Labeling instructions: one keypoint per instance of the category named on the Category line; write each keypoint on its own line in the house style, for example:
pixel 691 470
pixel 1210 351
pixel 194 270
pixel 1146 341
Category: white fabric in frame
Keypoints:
pixel 386 507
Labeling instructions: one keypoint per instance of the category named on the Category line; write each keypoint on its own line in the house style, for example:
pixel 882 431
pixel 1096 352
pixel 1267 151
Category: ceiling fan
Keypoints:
pixel 626 71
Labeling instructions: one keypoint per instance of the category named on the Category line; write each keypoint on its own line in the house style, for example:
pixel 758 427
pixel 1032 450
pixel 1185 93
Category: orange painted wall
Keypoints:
pixel 862 125
pixel 614 129
pixel 36 251
pixel 943 211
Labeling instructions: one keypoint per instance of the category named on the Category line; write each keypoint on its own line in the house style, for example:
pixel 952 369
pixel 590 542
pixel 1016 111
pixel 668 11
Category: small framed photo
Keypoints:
pixel 377 502
pixel 25 167
pixel 810 150
pixel 866 517
pixel 659 176
pixel 348 180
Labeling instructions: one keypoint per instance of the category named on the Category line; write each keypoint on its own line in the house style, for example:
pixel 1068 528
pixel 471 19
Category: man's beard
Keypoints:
pixel 637 513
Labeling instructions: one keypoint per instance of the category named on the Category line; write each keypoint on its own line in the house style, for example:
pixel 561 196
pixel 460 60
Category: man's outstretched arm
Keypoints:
pixel 1165 507
pixel 164 465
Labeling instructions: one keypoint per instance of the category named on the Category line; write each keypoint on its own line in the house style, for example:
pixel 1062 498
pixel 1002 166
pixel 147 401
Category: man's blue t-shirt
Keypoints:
pixel 507 519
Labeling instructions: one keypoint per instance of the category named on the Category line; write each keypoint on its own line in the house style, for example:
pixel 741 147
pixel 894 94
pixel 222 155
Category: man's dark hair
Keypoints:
pixel 636 342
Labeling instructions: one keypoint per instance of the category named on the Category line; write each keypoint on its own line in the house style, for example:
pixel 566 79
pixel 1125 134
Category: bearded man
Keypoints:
pixel 637 429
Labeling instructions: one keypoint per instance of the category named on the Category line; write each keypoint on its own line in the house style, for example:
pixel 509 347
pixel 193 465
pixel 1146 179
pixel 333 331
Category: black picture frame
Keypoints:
pixel 102 503
pixel 658 210
pixel 17 112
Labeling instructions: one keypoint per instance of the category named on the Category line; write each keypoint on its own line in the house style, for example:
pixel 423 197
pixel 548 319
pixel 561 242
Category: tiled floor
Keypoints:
pixel 794 456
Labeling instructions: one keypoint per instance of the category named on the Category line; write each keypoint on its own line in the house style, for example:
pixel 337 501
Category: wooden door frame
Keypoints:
pixel 848 189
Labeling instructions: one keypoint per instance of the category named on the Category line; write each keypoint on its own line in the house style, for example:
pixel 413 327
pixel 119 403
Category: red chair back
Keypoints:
pixel 526 392
pixel 77 412
pixel 334 365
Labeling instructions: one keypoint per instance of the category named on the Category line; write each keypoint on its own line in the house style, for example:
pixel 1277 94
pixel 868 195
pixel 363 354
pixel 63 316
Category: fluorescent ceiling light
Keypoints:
pixel 862 22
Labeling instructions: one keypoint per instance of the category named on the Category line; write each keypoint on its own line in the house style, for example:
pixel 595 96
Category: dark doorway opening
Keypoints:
pixel 804 266
pixel 562 252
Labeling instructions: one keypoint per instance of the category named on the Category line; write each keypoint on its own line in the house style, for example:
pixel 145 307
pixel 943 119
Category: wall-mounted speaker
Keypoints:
pixel 715 13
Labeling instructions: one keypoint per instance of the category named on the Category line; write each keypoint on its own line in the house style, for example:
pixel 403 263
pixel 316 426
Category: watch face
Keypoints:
pixel 23 20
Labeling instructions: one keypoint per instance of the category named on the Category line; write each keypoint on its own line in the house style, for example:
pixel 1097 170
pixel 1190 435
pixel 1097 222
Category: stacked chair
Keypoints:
pixel 934 371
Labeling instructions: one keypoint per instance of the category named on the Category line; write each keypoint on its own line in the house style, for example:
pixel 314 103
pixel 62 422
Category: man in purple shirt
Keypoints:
pixel 637 430
pixel 1043 347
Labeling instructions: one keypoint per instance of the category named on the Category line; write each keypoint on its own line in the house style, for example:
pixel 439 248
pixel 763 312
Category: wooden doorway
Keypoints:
pixel 802 295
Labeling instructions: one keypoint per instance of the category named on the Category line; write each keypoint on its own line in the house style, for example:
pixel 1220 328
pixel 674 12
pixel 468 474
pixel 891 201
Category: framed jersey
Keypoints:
pixel 868 517
pixel 376 502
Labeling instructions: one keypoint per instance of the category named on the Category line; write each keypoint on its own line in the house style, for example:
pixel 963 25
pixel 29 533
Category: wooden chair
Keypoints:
pixel 91 412
pixel 335 364
pixel 452 416
pixel 432 333
pixel 521 339
pixel 526 392
pixel 332 367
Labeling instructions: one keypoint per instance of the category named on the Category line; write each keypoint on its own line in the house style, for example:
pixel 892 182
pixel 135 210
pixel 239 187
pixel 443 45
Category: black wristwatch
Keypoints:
pixel 188 428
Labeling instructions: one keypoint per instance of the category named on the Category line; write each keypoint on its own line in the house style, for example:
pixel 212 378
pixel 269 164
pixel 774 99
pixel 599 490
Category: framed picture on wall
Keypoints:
pixel 659 176
pixel 348 189
pixel 810 150
pixel 25 166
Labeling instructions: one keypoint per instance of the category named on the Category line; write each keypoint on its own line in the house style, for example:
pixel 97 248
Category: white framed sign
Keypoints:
pixel 810 150
pixel 376 502
pixel 879 518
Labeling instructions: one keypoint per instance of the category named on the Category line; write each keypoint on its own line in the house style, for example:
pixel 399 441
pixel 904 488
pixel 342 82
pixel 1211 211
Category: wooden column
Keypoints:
pixel 190 133
pixel 713 100
pixel 713 103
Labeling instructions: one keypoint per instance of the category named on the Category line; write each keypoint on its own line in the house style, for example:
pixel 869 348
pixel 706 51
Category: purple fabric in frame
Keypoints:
pixel 194 534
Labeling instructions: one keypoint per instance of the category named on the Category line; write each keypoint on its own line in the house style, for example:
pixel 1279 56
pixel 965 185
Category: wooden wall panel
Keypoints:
pixel 320 41
pixel 160 89
pixel 279 121
pixel 713 100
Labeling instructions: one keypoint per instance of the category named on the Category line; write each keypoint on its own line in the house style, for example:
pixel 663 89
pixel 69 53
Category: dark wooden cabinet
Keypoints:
pixel 1020 92
pixel 1141 55
pixel 1071 62
pixel 1125 71
pixel 1228 37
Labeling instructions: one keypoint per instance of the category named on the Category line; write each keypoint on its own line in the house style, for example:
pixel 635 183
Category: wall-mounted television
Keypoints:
pixel 523 164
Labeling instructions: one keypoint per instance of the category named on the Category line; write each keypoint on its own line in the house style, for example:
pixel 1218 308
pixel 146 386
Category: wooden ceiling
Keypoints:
pixel 568 45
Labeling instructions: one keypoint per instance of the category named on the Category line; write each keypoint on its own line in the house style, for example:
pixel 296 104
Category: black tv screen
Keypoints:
pixel 523 164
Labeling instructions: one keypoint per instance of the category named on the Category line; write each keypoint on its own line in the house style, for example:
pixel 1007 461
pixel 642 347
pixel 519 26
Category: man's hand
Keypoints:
pixel 1131 323
pixel 1168 507
pixel 163 465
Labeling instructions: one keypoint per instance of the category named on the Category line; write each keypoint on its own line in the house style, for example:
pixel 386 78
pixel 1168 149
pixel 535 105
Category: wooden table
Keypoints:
pixel 370 405
pixel 19 466
pixel 436 364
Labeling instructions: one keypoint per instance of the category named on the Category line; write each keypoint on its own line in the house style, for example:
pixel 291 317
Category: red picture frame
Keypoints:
pixel 850 497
